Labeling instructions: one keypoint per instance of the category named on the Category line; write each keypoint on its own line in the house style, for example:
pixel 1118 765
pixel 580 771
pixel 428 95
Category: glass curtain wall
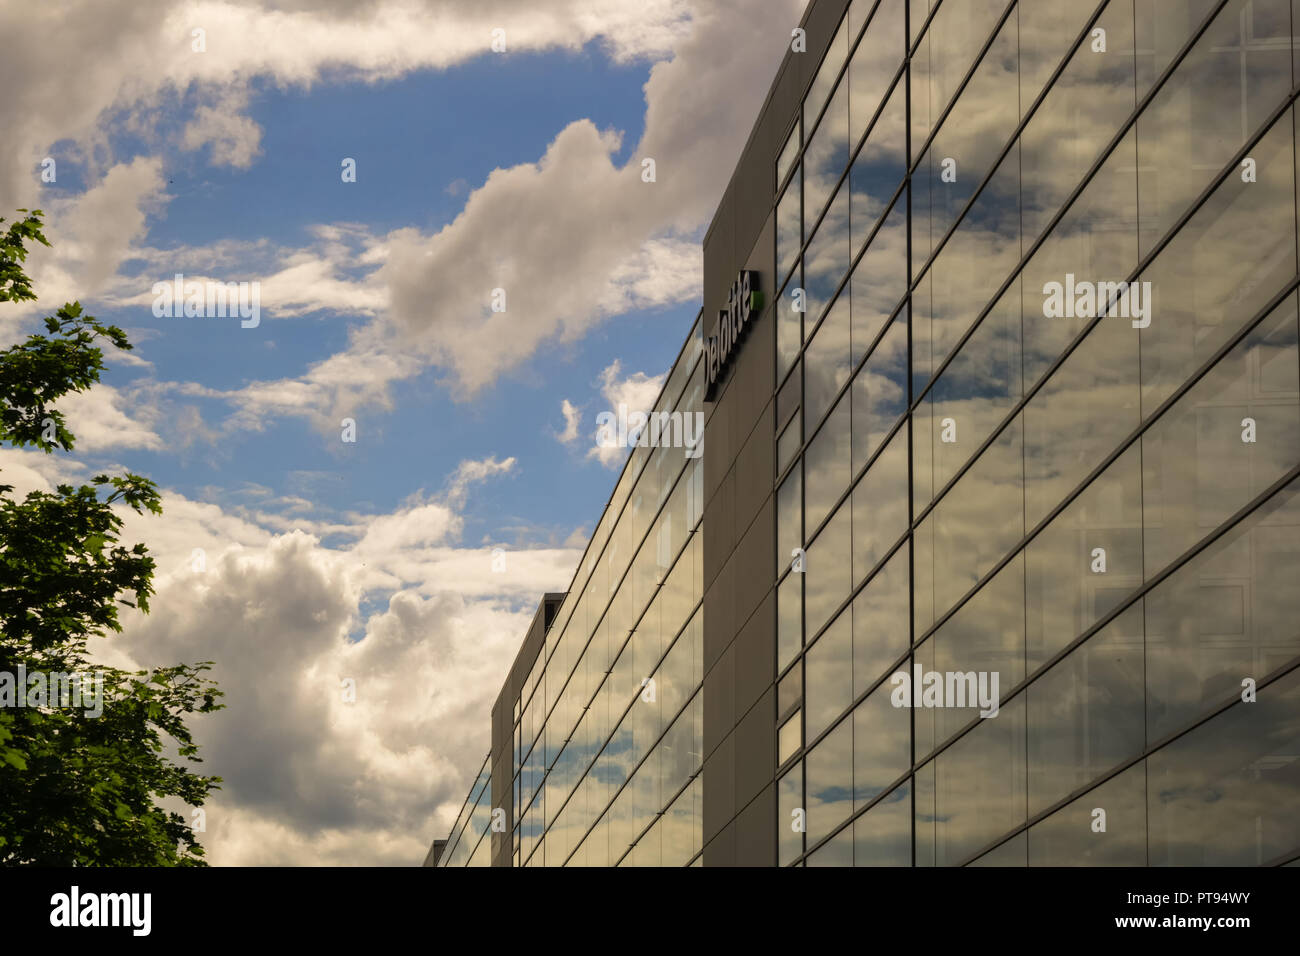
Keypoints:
pixel 1039 423
pixel 608 735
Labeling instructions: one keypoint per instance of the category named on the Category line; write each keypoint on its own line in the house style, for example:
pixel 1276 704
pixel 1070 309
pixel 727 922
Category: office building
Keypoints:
pixel 991 555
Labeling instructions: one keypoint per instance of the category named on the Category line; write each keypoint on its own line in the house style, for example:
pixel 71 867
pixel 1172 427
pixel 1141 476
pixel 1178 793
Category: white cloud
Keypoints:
pixel 91 235
pixel 572 418
pixel 235 139
pixel 99 423
pixel 636 392
pixel 422 624
pixel 575 237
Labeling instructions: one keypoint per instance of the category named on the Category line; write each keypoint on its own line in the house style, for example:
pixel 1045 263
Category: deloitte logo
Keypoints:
pixel 743 305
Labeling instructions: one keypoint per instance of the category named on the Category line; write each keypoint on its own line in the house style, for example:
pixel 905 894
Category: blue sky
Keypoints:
pixel 421 143
pixel 291 558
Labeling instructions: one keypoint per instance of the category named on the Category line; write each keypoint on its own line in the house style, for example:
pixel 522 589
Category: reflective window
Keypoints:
pixel 883 835
pixel 879 281
pixel 978 522
pixel 789 738
pixel 1087 560
pixel 829 767
pixel 879 168
pixel 789 620
pixel 1225 794
pixel 882 745
pixel 836 53
pixel 826 263
pixel 880 506
pixel 880 394
pixel 827 364
pixel 1227 615
pixel 880 621
pixel 828 463
pixel 789 326
pixel 830 675
pixel 1226 440
pixel 790 816
pixel 980 786
pixel 828 578
pixel 789 225
pixel 785 162
pixel 1107 826
pixel 1086 713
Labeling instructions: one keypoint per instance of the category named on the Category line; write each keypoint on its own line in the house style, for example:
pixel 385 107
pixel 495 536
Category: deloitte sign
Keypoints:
pixel 744 303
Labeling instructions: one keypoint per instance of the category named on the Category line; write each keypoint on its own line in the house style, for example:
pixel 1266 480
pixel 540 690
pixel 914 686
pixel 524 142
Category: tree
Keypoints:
pixel 78 788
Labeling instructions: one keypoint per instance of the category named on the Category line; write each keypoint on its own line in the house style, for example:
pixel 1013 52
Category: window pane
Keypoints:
pixel 1222 91
pixel 836 53
pixel 980 652
pixel 826 264
pixel 879 281
pixel 1095 241
pixel 969 400
pixel 788 444
pixel 1080 114
pixel 789 327
pixel 1093 398
pixel 880 165
pixel 785 162
pixel 980 785
pixel 966 273
pixel 1085 714
pixel 825 159
pixel 1198 466
pixel 789 624
pixel 837 852
pixel 880 512
pixel 967 145
pixel 1086 560
pixel 882 745
pixel 828 462
pixel 972 528
pixel 880 621
pixel 790 690
pixel 789 835
pixel 1011 853
pixel 883 835
pixel 1069 836
pixel 789 517
pixel 789 226
pixel 1228 614
pixel 875 61
pixel 830 781
pixel 790 738
pixel 1225 794
pixel 830 676
pixel 828 579
pixel 880 393
pixel 946 52
pixel 827 364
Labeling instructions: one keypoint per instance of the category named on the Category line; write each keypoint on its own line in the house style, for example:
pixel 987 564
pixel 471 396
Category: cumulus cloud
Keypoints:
pixel 419 622
pixel 92 234
pixel 235 139
pixel 137 58
pixel 635 393
pixel 572 418
pixel 99 421
pixel 574 238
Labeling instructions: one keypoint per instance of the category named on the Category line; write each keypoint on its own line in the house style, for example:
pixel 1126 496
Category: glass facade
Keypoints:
pixel 1035 498
pixel 1038 394
pixel 470 841
pixel 607 730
